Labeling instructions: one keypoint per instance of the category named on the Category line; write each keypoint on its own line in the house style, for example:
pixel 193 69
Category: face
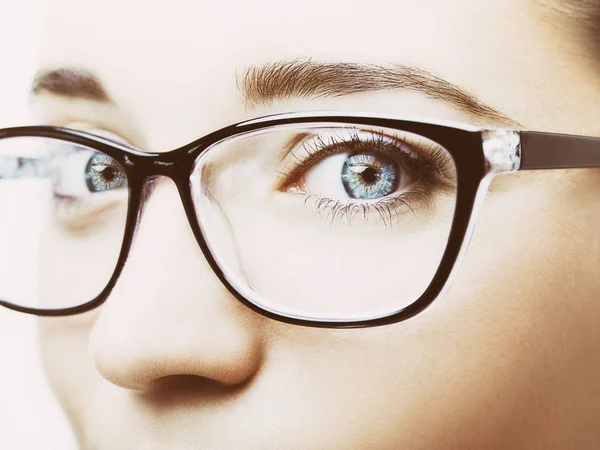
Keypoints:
pixel 509 357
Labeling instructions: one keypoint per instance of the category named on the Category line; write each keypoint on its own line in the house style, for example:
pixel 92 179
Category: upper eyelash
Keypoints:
pixel 435 160
pixel 324 149
pixel 321 150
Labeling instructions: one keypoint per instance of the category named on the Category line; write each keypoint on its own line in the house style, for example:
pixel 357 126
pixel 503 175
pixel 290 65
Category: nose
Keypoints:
pixel 168 314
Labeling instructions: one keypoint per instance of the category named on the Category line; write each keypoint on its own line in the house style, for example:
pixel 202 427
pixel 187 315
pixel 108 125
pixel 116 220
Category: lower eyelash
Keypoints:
pixel 388 209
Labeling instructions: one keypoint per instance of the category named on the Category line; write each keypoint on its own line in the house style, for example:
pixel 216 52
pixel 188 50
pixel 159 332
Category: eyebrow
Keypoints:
pixel 308 79
pixel 72 83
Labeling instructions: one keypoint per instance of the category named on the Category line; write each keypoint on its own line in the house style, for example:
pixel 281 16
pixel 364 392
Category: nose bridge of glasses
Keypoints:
pixel 174 165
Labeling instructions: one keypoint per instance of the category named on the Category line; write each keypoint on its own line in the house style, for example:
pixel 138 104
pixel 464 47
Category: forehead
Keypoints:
pixel 182 59
pixel 214 36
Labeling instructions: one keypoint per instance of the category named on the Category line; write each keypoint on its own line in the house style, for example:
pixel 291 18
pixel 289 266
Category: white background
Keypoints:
pixel 30 418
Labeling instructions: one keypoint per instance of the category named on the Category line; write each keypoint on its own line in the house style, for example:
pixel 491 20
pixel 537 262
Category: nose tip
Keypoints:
pixel 141 360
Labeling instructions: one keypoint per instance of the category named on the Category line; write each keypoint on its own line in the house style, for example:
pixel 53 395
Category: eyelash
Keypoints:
pixel 431 171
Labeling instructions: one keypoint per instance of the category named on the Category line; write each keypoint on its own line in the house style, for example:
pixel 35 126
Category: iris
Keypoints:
pixel 368 176
pixel 103 173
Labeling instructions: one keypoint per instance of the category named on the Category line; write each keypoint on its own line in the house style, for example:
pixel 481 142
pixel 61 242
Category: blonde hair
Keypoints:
pixel 587 9
pixel 584 14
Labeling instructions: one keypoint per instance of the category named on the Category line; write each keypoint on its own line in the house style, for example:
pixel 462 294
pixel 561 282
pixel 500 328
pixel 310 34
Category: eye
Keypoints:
pixel 80 172
pixel 362 175
pixel 353 172
pixel 355 166
pixel 87 187
pixel 103 173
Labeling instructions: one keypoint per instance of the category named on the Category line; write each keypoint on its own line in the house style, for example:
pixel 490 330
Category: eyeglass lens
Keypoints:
pixel 63 209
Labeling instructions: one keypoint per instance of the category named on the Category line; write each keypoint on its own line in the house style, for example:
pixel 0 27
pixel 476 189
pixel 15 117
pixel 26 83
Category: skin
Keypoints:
pixel 508 358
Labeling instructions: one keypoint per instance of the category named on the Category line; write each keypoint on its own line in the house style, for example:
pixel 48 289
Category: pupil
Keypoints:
pixel 370 175
pixel 108 173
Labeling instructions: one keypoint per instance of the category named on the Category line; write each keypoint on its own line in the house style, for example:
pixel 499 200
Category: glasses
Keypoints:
pixel 320 219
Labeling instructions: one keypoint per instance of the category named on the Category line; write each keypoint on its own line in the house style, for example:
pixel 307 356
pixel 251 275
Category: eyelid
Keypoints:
pixel 101 132
pixel 301 164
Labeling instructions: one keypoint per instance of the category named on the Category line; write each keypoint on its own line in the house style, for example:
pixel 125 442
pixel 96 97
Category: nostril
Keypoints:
pixel 186 382
pixel 195 383
pixel 177 390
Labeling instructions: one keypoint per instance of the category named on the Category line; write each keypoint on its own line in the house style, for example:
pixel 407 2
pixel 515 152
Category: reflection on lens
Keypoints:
pixel 64 211
pixel 327 221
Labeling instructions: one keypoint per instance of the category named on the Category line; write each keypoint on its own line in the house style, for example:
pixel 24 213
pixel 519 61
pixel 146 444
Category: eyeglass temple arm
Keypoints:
pixel 558 151
pixel 12 167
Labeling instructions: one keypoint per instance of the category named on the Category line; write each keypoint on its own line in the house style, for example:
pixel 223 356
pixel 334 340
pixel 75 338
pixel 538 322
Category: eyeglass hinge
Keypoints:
pixel 502 150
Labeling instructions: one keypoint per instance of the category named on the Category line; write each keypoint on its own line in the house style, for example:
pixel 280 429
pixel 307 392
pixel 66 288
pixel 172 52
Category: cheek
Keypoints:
pixel 510 353
pixel 63 345
pixel 536 244
pixel 77 264
pixel 521 319
pixel 420 385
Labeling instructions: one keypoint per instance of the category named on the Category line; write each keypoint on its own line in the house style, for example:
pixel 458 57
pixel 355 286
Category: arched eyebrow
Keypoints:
pixel 261 85
pixel 311 79
pixel 72 83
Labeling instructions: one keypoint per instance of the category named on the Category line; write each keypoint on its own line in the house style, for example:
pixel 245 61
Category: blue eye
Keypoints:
pixel 368 176
pixel 103 173
pixel 380 174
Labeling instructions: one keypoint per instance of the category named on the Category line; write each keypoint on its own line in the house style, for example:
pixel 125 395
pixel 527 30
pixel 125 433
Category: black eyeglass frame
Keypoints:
pixel 478 154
